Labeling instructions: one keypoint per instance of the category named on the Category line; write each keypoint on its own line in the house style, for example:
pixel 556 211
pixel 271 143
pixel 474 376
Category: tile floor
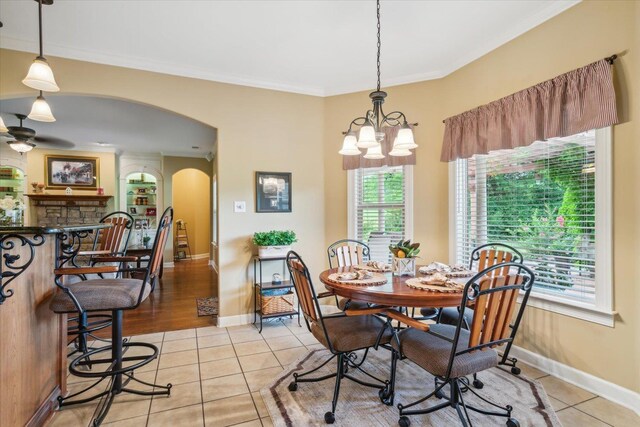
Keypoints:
pixel 217 374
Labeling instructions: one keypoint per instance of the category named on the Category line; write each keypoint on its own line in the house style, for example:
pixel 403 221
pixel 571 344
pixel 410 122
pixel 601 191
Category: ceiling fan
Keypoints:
pixel 25 138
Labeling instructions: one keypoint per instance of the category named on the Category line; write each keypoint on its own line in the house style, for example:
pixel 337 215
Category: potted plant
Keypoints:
pixel 404 257
pixel 274 243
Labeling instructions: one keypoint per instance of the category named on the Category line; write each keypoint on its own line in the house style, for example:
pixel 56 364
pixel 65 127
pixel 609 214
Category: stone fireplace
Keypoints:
pixel 53 209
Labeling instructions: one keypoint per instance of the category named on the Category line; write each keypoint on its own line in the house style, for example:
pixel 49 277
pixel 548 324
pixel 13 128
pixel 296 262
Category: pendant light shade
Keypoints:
pixel 367 137
pixel 374 153
pixel 40 76
pixel 40 111
pixel 21 146
pixel 349 145
pixel 3 127
pixel 404 140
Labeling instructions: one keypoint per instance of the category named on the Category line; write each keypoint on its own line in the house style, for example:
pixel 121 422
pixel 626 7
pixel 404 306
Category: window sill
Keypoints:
pixel 570 308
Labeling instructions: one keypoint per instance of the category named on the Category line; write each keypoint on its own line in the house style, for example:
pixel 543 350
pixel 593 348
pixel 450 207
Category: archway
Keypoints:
pixel 191 201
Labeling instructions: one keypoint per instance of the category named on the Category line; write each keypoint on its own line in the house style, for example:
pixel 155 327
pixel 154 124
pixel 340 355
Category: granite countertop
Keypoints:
pixel 51 229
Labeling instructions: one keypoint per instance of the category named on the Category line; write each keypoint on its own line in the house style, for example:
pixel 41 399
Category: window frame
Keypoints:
pixel 601 311
pixel 352 217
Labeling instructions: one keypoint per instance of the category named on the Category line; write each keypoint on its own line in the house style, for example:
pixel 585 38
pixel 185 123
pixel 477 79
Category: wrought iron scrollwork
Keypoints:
pixel 12 264
pixel 69 244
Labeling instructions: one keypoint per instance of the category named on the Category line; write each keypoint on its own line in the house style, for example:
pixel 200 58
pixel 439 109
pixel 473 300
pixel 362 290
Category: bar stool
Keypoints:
pixel 109 246
pixel 114 295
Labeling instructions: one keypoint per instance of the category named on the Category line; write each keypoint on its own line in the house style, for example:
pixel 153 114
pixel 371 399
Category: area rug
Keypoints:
pixel 207 306
pixel 360 406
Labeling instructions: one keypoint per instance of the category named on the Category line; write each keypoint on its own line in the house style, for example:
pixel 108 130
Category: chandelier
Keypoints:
pixel 372 125
pixel 40 77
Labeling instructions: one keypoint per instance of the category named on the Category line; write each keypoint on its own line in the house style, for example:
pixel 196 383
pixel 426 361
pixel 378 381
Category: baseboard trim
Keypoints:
pixel 204 255
pixel 168 264
pixel 212 263
pixel 240 319
pixel 610 391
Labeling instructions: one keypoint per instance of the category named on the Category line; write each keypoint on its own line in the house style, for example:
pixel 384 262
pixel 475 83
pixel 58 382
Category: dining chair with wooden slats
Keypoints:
pixel 346 253
pixel 483 257
pixel 450 353
pixel 341 333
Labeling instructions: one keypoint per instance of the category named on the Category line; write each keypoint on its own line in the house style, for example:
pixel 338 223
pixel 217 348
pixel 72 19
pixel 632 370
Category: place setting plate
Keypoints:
pixel 437 282
pixel 374 266
pixel 449 271
pixel 359 278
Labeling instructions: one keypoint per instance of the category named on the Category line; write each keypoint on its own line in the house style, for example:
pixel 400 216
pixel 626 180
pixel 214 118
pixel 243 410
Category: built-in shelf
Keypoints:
pixel 68 200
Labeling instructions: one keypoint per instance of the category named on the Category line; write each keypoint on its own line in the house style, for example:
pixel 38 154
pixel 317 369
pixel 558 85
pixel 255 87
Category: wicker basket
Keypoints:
pixel 276 304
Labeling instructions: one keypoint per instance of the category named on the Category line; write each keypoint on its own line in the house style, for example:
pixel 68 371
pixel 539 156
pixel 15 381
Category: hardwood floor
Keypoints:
pixel 172 305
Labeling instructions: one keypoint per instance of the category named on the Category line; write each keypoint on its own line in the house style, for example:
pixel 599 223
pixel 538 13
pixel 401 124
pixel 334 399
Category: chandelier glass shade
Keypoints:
pixel 372 124
pixel 350 145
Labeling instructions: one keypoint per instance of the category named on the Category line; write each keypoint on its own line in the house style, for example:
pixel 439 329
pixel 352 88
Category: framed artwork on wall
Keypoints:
pixel 273 192
pixel 77 172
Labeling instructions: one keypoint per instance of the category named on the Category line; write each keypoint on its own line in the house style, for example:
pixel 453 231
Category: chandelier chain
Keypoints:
pixel 379 43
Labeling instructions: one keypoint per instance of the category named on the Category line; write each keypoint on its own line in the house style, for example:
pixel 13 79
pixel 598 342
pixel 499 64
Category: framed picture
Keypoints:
pixel 151 212
pixel 273 192
pixel 77 172
pixel 141 223
pixel 133 210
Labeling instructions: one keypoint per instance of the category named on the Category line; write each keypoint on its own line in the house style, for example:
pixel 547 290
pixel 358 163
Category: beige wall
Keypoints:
pixel 257 130
pixel 585 33
pixel 191 203
pixel 267 130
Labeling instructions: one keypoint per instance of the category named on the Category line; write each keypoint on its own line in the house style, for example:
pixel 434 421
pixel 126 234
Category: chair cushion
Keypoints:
pixel 432 352
pixel 353 304
pixel 349 333
pixel 100 294
pixel 450 316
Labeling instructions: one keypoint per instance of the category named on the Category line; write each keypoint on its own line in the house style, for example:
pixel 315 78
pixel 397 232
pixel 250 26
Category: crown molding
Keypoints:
pixel 554 8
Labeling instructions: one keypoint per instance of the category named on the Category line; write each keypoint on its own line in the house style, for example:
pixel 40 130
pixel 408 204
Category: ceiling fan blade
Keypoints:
pixel 53 142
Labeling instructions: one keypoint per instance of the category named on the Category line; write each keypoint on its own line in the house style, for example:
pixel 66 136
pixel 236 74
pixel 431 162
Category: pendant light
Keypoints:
pixel 40 75
pixel 41 111
pixel 373 122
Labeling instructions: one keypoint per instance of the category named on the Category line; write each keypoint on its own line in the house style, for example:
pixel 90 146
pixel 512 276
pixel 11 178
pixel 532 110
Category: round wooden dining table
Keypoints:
pixel 395 292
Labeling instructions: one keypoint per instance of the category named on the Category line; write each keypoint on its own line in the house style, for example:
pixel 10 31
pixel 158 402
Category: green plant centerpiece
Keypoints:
pixel 274 243
pixel 404 257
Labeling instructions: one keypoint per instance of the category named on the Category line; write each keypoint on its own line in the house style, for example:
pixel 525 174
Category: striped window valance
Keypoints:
pixel 390 133
pixel 571 103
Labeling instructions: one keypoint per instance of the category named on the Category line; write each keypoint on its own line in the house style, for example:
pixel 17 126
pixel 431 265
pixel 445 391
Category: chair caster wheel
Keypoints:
pixel 386 397
pixel 293 386
pixel 478 384
pixel 404 422
pixel 329 418
pixel 515 370
pixel 512 422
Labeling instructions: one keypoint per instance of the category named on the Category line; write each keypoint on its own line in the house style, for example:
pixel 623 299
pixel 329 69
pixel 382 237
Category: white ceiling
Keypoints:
pixel 125 127
pixel 313 47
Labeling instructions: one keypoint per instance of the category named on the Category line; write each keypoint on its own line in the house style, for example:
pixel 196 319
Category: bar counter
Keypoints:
pixel 33 339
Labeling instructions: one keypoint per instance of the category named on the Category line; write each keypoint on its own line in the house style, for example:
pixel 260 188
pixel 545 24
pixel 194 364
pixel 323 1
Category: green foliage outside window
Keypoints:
pixel 552 233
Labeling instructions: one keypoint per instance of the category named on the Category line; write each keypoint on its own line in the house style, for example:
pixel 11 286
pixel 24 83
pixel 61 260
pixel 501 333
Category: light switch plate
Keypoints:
pixel 240 206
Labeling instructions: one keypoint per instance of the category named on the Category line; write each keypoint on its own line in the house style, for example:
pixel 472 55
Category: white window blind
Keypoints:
pixel 541 200
pixel 380 208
